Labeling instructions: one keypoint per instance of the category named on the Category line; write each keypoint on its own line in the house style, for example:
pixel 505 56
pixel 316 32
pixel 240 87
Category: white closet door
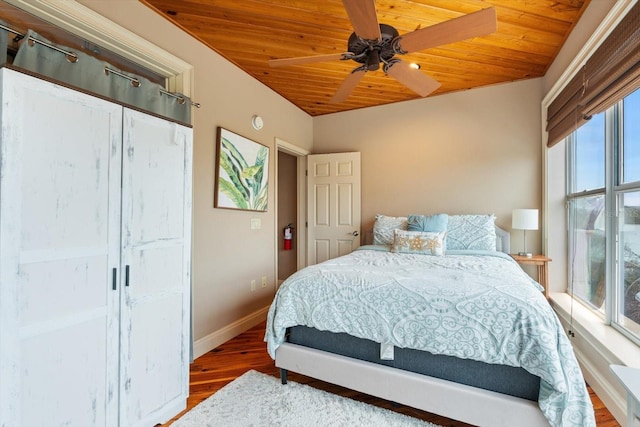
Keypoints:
pixel 156 245
pixel 59 241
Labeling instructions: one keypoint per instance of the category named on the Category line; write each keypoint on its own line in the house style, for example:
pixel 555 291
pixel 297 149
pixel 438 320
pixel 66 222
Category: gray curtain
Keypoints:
pixel 88 73
pixel 4 43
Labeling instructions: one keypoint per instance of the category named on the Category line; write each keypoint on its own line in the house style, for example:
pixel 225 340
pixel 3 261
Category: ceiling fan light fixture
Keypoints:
pixel 415 65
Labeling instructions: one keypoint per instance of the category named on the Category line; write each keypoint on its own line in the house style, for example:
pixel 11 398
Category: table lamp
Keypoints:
pixel 524 219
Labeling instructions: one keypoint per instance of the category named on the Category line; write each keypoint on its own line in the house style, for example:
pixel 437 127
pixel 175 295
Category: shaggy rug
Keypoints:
pixel 256 399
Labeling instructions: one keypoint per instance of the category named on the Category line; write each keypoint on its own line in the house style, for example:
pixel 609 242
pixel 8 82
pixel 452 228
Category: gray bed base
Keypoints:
pixel 468 404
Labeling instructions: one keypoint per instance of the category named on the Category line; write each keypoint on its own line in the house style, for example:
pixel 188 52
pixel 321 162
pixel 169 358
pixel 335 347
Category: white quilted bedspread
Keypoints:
pixel 474 305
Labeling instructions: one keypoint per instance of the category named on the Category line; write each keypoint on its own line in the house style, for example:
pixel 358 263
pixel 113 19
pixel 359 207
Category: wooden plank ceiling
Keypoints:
pixel 250 32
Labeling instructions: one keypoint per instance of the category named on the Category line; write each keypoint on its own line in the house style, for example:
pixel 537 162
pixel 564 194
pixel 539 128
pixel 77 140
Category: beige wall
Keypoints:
pixel 475 151
pixel 227 254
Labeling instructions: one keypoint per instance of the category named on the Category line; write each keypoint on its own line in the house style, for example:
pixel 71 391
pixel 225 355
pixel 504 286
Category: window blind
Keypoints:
pixel 610 74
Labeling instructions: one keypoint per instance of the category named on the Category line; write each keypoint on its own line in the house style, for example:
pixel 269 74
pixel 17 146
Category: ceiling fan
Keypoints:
pixel 372 44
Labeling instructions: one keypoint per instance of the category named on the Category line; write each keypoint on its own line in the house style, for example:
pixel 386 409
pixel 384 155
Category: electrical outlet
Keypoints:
pixel 264 281
pixel 253 285
pixel 256 223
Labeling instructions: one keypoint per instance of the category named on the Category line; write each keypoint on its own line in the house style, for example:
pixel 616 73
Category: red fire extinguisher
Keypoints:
pixel 288 237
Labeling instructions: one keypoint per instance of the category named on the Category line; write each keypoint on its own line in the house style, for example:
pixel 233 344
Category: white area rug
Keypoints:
pixel 256 399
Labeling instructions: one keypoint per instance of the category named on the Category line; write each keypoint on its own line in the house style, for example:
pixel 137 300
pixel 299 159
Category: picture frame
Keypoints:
pixel 242 173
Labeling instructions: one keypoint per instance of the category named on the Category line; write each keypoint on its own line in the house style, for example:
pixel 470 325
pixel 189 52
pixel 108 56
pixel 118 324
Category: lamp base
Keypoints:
pixel 527 254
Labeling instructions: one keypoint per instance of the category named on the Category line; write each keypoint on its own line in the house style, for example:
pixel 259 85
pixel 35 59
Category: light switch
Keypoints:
pixel 256 223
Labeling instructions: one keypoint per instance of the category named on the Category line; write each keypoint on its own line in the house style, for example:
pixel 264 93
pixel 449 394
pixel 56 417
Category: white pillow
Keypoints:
pixel 475 232
pixel 383 228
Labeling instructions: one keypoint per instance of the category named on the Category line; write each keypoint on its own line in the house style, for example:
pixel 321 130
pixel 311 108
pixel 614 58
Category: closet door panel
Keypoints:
pixel 155 184
pixel 46 287
pixel 59 239
pixel 65 175
pixel 156 247
pixel 51 392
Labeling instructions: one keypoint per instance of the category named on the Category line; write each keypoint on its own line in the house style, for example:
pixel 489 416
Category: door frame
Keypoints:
pixel 301 226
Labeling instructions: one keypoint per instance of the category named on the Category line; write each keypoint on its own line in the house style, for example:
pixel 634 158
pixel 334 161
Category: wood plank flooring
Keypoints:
pixel 220 366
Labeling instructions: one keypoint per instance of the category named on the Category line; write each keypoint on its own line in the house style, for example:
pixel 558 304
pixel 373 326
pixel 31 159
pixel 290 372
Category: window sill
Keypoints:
pixel 617 348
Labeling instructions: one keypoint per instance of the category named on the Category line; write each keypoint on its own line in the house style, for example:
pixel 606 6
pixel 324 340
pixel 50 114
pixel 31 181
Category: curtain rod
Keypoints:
pixel 69 54
pixel 134 81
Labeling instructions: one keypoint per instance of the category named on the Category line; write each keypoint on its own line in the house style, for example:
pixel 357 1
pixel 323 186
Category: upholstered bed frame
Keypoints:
pixel 467 403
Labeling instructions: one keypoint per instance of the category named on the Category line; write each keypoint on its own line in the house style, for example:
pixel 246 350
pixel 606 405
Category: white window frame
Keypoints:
pixel 613 187
pixel 618 187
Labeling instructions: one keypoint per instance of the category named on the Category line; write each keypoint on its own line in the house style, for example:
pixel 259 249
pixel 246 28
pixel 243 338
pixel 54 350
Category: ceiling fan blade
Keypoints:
pixel 363 17
pixel 412 78
pixel 308 59
pixel 474 24
pixel 347 86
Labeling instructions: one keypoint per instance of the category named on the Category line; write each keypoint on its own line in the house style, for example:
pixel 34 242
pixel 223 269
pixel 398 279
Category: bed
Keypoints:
pixel 451 325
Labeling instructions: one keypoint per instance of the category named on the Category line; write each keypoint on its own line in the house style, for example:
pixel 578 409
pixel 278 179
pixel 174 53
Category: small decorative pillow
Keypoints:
pixel 419 242
pixel 476 232
pixel 436 222
pixel 383 228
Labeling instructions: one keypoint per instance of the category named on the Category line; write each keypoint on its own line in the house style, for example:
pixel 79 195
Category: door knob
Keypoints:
pixel 356 233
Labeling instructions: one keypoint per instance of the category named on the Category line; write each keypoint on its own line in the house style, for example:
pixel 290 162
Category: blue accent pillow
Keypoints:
pixel 438 222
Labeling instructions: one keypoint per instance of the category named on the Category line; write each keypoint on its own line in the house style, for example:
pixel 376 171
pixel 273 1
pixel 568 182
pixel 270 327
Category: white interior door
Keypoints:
pixel 333 205
pixel 59 243
pixel 156 245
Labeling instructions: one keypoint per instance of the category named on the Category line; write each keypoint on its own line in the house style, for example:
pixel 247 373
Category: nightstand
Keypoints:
pixel 630 379
pixel 543 273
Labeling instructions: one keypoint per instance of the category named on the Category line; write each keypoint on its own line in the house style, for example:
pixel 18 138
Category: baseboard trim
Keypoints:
pixel 216 338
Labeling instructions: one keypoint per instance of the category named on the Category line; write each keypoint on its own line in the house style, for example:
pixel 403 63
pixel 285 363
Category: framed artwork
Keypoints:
pixel 242 173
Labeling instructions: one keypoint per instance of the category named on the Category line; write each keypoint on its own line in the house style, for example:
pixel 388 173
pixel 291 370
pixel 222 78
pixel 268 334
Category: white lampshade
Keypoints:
pixel 524 219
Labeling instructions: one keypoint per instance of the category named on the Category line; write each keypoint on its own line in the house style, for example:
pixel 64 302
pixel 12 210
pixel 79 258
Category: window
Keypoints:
pixel 603 194
pixel 589 156
pixel 586 213
pixel 627 313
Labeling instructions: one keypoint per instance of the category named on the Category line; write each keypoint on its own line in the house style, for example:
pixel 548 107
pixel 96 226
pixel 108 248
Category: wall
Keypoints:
pixel 227 254
pixel 475 151
pixel 287 212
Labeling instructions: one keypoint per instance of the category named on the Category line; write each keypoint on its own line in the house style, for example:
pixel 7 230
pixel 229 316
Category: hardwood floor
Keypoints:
pixel 220 366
